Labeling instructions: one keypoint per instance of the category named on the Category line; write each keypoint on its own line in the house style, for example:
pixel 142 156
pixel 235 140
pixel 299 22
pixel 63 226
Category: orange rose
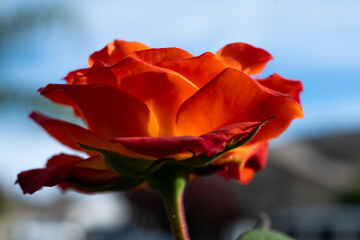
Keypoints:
pixel 145 107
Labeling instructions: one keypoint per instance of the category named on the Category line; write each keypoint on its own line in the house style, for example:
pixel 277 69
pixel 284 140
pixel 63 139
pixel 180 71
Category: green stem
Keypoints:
pixel 170 182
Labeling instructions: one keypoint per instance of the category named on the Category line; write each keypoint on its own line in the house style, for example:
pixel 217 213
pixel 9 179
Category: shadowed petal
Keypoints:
pixel 32 180
pixel 215 141
pixel 157 146
pixel 63 167
pixel 243 175
pixel 242 163
pixel 211 143
pixel 244 57
pixel 234 97
pixel 92 171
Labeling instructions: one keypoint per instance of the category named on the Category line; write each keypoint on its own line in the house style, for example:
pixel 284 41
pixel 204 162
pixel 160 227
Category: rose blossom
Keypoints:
pixel 163 104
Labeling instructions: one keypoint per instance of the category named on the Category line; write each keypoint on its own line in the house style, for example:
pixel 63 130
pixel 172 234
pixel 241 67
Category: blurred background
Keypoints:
pixel 311 185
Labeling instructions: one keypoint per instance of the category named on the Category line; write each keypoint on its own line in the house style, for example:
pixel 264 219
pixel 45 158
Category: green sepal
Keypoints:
pixel 119 184
pixel 264 235
pixel 141 167
pixel 203 160
pixel 125 165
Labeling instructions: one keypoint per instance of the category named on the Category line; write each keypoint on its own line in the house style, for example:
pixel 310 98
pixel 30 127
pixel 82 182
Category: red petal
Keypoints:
pixel 161 89
pixel 256 156
pixel 115 51
pixel 60 168
pixel 109 112
pixel 155 56
pixel 283 85
pixel 32 180
pixel 211 143
pixel 235 97
pixel 242 163
pixel 99 73
pixel 75 74
pixel 69 134
pixel 251 155
pixel 215 141
pixel 199 70
pixel 244 57
pixel 92 171
pixel 234 171
pixel 157 146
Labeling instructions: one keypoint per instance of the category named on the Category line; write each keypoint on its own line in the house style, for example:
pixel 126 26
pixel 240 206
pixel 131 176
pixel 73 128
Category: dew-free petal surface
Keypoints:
pixel 199 70
pixel 155 56
pixel 283 85
pixel 108 111
pixel 244 57
pixel 234 97
pixel 211 143
pixel 32 180
pixel 99 73
pixel 163 90
pixel 71 76
pixel 116 51
pixel 242 163
pixel 158 146
pixel 69 134
pixel 63 167
pixel 92 171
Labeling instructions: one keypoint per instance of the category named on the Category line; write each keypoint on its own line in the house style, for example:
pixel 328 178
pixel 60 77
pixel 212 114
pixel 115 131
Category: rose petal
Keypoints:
pixel 69 134
pixel 215 141
pixel 108 112
pixel 115 51
pixel 243 175
pixel 158 146
pixel 92 171
pixel 283 85
pixel 163 90
pixel 199 70
pixel 155 56
pixel 99 73
pixel 63 167
pixel 242 163
pixel 32 180
pixel 70 77
pixel 250 155
pixel 211 143
pixel 244 57
pixel 235 97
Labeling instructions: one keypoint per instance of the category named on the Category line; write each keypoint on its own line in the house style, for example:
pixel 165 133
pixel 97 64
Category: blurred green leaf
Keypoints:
pixel 264 235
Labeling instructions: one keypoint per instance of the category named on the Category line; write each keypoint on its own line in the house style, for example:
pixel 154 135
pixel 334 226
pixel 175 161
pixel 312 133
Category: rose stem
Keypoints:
pixel 170 182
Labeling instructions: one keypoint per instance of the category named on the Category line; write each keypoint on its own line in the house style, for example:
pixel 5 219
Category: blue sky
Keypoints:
pixel 313 41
